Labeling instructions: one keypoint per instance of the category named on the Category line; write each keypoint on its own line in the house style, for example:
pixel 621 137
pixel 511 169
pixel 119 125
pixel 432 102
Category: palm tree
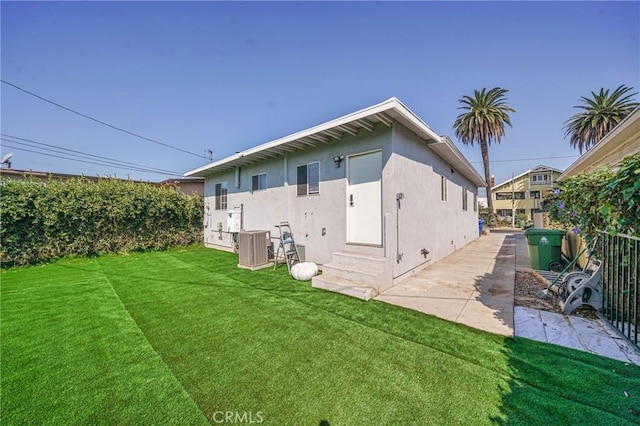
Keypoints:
pixel 486 114
pixel 600 115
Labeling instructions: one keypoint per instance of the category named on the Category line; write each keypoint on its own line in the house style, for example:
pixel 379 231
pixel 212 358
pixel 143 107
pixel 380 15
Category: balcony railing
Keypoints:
pixel 541 182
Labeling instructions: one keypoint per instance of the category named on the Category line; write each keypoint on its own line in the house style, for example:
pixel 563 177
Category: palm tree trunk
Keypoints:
pixel 484 148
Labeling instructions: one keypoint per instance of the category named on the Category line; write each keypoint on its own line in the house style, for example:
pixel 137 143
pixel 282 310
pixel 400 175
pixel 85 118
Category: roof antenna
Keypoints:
pixel 6 158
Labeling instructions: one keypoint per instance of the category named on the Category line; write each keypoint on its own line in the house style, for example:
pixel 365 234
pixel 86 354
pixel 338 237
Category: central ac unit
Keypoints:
pixel 252 248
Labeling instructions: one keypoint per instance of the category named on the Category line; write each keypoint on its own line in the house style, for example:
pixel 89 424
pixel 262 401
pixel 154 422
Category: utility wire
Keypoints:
pixel 137 169
pixel 101 162
pixel 101 122
pixel 58 149
pixel 528 159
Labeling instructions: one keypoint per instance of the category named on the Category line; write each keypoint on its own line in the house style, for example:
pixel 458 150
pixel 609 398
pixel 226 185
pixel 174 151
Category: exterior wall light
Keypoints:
pixel 338 159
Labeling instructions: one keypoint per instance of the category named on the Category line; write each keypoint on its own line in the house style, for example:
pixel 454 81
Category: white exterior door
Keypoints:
pixel 364 198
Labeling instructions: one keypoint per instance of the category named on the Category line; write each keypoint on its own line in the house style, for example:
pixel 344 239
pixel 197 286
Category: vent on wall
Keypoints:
pixel 252 248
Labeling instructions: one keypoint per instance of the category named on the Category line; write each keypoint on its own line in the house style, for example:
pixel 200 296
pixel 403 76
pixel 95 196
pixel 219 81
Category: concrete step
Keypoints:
pixel 353 273
pixel 343 286
pixel 361 262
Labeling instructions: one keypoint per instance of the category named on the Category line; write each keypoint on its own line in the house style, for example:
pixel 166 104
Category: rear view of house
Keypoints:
pixel 372 197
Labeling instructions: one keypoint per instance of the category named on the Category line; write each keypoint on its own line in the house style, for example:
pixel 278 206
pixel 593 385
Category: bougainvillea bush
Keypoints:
pixel 606 200
pixel 45 220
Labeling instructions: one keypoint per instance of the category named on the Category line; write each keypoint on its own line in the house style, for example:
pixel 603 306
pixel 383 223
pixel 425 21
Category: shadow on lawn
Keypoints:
pixel 552 384
pixel 549 381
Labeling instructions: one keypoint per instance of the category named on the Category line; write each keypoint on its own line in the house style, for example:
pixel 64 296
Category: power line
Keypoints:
pixel 101 122
pixel 137 169
pixel 529 159
pixel 73 152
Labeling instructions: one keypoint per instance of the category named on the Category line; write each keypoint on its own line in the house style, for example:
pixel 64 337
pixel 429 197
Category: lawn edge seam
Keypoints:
pixel 115 293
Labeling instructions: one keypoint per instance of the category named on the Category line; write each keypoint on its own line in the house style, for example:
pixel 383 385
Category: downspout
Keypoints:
pixel 399 196
pixel 286 183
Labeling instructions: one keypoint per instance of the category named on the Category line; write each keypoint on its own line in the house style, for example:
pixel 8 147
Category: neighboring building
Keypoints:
pixel 185 185
pixel 523 192
pixel 373 196
pixel 622 141
pixel 41 176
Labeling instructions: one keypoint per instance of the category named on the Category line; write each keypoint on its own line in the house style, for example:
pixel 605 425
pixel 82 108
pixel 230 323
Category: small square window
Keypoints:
pixel 259 182
pixel 308 179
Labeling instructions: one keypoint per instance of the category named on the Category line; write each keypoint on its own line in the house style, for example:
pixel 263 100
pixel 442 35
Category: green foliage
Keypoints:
pixel 599 116
pixel 42 221
pixel 602 200
pixel 484 118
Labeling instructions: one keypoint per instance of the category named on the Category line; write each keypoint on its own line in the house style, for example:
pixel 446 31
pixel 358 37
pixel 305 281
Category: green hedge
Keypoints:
pixel 603 200
pixel 42 221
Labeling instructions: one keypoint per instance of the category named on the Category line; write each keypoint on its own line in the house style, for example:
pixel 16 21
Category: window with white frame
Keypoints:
pixel 259 182
pixel 541 179
pixel 308 179
pixel 220 194
pixel 443 188
pixel 464 199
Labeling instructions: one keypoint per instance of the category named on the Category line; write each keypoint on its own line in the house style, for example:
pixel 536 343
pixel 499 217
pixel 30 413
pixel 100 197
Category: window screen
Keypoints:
pixel 313 178
pixel 308 179
pixel 221 196
pixel 259 182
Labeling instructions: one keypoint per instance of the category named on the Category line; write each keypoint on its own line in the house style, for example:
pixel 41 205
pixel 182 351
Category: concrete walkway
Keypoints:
pixel 472 286
pixel 571 331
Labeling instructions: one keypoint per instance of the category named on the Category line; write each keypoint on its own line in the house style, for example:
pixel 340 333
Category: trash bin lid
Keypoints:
pixel 542 231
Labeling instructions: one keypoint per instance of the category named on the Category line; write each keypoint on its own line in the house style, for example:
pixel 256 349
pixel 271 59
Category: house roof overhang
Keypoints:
pixel 623 140
pixel 385 113
pixel 449 152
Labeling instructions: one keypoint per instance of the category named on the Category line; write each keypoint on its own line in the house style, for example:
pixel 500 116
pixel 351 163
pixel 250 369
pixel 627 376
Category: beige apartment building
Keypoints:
pixel 524 192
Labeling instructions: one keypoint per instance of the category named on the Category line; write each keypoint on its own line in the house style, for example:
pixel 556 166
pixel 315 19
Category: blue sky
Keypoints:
pixel 229 76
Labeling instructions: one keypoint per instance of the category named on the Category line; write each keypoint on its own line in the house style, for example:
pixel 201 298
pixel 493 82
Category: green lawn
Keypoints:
pixel 184 336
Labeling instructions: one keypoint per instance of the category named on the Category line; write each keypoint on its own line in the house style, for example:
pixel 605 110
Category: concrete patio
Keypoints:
pixel 475 286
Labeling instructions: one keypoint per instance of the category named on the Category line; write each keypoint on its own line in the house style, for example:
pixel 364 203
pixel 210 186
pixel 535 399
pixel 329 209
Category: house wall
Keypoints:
pixel 424 220
pixel 318 221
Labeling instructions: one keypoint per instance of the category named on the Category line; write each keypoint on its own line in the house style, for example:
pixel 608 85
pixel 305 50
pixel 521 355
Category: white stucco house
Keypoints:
pixel 373 196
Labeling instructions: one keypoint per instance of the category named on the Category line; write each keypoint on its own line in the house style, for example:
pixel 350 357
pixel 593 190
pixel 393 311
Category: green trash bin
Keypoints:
pixel 545 248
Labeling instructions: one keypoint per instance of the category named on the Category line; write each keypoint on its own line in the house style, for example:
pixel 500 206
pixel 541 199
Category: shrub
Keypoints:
pixel 602 200
pixel 41 221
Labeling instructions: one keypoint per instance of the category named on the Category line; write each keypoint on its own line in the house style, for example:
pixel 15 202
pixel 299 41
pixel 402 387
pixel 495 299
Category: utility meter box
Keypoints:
pixel 233 221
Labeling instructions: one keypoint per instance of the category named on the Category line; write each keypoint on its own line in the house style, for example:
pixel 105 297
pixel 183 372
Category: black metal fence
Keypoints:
pixel 620 255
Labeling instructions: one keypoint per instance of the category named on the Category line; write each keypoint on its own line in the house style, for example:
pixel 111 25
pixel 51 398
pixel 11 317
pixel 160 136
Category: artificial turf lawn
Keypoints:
pixel 178 336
